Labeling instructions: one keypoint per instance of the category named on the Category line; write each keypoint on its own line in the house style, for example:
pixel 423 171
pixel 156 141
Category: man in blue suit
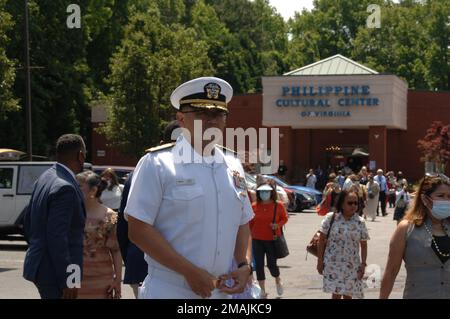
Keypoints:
pixel 54 223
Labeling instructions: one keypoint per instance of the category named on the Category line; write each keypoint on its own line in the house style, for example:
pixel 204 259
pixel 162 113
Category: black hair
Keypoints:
pixel 114 178
pixel 69 145
pixel 93 180
pixel 341 198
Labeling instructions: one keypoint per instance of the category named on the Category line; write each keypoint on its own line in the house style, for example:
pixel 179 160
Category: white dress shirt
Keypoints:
pixel 197 208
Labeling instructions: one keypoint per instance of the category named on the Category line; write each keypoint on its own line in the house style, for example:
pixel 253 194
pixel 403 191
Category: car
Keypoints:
pixel 301 202
pixel 315 194
pixel 17 181
pixel 282 195
pixel 298 200
pixel 121 171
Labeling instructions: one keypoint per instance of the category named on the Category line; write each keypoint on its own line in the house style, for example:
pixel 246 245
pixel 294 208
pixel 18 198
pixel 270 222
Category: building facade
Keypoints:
pixel 332 113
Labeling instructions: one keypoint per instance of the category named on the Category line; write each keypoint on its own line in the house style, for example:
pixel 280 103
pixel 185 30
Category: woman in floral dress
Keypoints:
pixel 340 262
pixel 102 261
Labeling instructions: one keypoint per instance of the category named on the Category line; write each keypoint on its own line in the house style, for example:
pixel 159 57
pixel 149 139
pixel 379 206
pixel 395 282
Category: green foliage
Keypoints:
pixel 261 38
pixel 131 54
pixel 7 67
pixel 152 60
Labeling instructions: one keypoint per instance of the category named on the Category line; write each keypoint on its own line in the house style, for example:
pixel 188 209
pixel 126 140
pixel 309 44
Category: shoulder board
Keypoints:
pixel 227 149
pixel 160 147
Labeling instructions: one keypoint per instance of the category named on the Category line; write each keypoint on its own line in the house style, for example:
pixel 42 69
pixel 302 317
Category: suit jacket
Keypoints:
pixel 54 227
pixel 136 268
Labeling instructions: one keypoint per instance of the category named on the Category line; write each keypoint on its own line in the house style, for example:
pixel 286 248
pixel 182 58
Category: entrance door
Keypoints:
pixel 350 156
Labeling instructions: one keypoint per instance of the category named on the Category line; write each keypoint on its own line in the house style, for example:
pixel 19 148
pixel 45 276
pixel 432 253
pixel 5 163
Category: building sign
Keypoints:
pixel 101 153
pixel 317 99
pixel 356 101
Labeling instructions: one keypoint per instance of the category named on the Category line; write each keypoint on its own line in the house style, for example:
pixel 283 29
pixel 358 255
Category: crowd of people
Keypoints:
pixel 188 230
pixel 375 191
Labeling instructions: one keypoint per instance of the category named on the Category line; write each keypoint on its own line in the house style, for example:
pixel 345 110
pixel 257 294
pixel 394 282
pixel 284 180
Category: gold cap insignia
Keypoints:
pixel 212 90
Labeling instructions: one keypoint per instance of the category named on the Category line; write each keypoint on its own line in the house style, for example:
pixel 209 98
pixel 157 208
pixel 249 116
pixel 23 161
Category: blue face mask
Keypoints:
pixel 264 195
pixel 441 209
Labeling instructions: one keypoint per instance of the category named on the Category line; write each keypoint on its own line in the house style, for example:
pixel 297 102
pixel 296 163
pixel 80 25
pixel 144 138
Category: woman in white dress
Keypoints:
pixel 112 195
pixel 343 236
pixel 373 194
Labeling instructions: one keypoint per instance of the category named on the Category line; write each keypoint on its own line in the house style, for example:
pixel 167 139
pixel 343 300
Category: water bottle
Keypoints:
pixel 255 290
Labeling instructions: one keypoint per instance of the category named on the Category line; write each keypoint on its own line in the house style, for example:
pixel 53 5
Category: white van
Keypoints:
pixel 16 185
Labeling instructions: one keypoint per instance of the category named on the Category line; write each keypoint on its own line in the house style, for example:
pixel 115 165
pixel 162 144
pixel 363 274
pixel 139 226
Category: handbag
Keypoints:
pixel 313 246
pixel 281 248
pixel 401 202
pixel 324 207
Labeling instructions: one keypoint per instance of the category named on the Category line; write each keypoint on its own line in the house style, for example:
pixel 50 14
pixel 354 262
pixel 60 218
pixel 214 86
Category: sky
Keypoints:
pixel 287 8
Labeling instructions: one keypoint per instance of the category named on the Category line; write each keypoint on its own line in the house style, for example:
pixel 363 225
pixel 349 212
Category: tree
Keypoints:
pixel 10 114
pixel 103 21
pixel 435 146
pixel 226 54
pixel 399 46
pixel 152 60
pixel 261 35
pixel 59 78
pixel 437 55
pixel 8 103
pixel 328 29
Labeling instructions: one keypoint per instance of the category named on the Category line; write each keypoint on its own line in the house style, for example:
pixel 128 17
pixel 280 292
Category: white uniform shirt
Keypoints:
pixel 195 206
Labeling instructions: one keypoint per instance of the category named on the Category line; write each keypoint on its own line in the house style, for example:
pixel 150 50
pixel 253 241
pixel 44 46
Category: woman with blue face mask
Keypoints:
pixel 422 241
pixel 262 228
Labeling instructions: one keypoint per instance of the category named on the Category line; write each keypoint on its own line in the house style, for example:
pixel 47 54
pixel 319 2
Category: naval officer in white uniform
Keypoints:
pixel 188 212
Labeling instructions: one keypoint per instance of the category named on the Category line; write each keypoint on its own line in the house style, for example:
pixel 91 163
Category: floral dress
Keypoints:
pixel 341 259
pixel 100 240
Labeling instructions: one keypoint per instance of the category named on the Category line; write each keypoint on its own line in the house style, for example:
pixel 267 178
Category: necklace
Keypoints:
pixel 435 243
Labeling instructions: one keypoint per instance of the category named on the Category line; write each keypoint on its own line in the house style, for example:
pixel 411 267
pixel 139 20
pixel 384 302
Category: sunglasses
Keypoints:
pixel 209 113
pixel 441 176
pixel 352 203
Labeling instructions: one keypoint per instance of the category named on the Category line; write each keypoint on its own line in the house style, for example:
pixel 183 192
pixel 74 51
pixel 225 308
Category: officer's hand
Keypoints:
pixel 70 293
pixel 201 282
pixel 240 277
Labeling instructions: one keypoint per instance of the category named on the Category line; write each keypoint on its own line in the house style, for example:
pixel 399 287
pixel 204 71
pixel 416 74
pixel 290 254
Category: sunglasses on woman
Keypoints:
pixel 352 203
pixel 441 176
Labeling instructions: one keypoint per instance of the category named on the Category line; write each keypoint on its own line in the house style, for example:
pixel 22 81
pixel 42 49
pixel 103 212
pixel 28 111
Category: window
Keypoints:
pixel 6 178
pixel 28 175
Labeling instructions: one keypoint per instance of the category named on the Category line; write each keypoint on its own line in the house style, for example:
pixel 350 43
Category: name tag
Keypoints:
pixel 184 182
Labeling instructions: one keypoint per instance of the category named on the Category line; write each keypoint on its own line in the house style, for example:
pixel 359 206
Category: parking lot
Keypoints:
pixel 298 273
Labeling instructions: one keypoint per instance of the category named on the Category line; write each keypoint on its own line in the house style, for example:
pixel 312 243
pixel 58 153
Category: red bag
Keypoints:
pixel 324 207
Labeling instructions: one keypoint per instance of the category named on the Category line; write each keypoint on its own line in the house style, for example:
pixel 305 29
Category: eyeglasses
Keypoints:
pixel 352 203
pixel 209 113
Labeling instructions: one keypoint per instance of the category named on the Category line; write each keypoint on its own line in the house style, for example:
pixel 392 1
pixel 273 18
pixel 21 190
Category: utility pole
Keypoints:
pixel 28 86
